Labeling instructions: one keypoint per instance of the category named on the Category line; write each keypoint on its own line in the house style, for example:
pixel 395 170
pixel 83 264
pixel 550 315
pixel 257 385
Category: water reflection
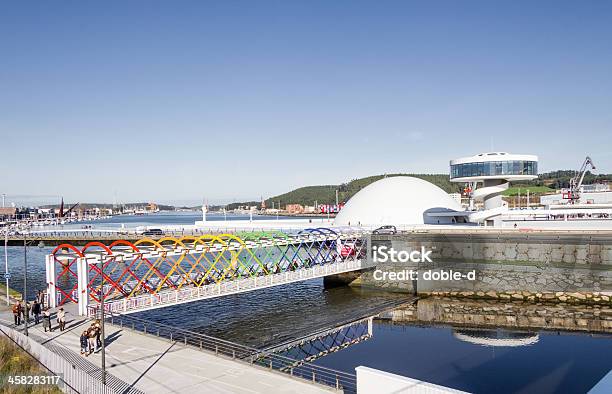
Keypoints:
pixel 517 315
pixel 486 347
pixel 498 338
pixel 268 317
pixel 319 344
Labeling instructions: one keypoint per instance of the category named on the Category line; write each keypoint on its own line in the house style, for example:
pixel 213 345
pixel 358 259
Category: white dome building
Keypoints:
pixel 399 200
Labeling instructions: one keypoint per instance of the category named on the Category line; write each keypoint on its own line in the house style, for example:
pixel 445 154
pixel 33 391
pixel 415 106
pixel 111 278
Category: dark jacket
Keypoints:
pixel 36 308
pixel 84 340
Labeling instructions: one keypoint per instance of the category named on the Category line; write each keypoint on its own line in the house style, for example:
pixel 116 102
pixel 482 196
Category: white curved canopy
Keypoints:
pixel 400 200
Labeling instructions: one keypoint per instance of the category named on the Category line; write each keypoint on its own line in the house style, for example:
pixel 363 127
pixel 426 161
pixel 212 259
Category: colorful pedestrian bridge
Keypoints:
pixel 154 273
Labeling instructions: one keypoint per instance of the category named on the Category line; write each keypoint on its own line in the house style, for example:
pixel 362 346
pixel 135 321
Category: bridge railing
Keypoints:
pixel 168 297
pixel 264 359
pixel 112 234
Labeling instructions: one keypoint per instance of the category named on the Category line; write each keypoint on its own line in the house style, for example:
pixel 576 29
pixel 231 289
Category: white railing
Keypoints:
pixel 169 297
pixel 73 379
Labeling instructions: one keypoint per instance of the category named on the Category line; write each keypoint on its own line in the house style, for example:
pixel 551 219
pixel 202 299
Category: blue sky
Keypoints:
pixel 230 100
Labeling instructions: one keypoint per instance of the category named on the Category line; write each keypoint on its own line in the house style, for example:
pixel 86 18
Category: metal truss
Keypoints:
pixel 123 270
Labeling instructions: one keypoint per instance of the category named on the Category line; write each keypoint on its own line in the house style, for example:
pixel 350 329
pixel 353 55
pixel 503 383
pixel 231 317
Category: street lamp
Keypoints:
pixel 102 323
pixel 6 270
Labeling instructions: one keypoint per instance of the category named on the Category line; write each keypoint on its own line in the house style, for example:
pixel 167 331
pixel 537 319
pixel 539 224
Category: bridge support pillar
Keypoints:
pixel 82 279
pixel 50 272
pixel 338 280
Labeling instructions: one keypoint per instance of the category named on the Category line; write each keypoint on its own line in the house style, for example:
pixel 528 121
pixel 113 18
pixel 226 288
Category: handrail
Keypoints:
pixel 339 380
pixel 170 296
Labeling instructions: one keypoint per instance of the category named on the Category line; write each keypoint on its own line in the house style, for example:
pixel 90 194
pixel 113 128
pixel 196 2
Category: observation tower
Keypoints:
pixel 489 175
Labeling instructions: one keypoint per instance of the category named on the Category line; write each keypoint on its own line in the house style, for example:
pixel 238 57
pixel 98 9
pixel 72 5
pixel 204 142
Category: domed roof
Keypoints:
pixel 396 201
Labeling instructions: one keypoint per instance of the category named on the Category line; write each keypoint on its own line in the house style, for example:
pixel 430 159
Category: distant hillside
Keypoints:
pixel 326 194
pixel 560 179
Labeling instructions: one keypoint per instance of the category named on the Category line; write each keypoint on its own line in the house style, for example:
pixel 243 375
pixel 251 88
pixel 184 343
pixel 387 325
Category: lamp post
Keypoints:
pixel 25 282
pixel 6 270
pixel 102 323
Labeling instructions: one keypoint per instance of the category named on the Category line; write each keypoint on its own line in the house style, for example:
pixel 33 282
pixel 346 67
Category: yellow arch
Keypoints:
pixel 244 246
pixel 174 266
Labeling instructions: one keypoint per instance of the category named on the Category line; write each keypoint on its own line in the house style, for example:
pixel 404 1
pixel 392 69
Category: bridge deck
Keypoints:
pixel 185 295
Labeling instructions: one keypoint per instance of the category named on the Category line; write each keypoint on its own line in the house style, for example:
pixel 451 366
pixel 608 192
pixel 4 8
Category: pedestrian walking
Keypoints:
pixel 98 327
pixel 17 312
pixel 91 335
pixel 61 319
pixel 41 299
pixel 36 311
pixel 84 343
pixel 47 320
pixel 25 311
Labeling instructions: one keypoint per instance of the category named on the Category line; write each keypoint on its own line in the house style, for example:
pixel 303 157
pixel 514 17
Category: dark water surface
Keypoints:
pixel 568 363
pixel 265 317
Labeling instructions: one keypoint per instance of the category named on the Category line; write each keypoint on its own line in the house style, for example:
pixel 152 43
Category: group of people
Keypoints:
pixel 91 339
pixel 23 311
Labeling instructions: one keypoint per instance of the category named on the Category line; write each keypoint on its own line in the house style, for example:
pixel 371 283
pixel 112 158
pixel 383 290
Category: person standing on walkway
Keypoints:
pixel 61 319
pixel 91 335
pixel 84 344
pixel 47 320
pixel 98 327
pixel 17 312
pixel 25 311
pixel 41 299
pixel 36 311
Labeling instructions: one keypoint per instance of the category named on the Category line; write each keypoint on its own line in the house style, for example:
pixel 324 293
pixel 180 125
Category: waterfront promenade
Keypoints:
pixel 153 365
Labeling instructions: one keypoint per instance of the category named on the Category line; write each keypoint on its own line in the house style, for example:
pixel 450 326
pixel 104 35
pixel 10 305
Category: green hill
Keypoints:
pixel 560 179
pixel 326 194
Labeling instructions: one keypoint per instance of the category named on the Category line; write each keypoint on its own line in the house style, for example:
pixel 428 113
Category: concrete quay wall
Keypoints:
pixel 544 267
pixel 561 248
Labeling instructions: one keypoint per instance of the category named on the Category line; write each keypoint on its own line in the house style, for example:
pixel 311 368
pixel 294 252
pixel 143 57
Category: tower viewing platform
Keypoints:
pixel 495 170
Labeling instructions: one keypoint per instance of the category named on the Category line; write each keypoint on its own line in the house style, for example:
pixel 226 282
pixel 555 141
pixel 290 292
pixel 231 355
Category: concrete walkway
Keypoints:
pixel 153 365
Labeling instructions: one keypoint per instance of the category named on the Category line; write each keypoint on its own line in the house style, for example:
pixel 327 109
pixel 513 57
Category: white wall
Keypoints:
pixel 374 381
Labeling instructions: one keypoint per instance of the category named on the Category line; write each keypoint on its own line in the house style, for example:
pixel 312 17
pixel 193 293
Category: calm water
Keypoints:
pixel 161 218
pixel 554 364
pixel 269 316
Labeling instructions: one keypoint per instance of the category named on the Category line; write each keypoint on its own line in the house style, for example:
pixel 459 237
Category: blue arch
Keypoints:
pixel 321 256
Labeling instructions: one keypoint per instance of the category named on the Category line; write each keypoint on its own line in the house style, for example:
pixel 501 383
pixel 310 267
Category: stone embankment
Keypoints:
pixel 542 267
